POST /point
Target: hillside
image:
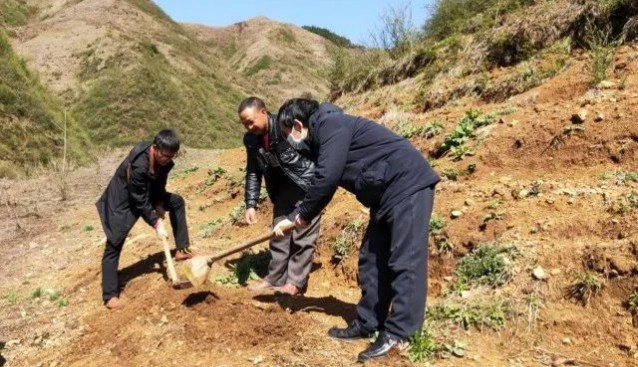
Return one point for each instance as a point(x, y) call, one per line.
point(32, 118)
point(126, 70)
point(279, 61)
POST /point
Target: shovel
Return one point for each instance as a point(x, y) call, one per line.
point(196, 269)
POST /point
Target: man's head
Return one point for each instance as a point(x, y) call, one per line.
point(293, 119)
point(165, 146)
point(253, 114)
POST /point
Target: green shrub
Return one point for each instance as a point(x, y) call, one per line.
point(600, 41)
point(632, 301)
point(492, 314)
point(621, 177)
point(236, 214)
point(344, 243)
point(454, 143)
point(586, 286)
point(486, 265)
point(330, 36)
point(422, 346)
point(250, 266)
point(209, 228)
point(624, 204)
point(14, 13)
point(263, 63)
point(450, 17)
point(437, 224)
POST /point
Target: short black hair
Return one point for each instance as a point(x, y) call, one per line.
point(251, 102)
point(296, 109)
point(167, 139)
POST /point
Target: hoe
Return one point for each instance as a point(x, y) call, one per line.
point(196, 269)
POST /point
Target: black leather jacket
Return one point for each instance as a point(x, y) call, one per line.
point(279, 162)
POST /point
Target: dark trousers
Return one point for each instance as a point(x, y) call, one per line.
point(393, 267)
point(175, 205)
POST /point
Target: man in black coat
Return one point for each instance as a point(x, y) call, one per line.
point(388, 175)
point(138, 189)
point(287, 174)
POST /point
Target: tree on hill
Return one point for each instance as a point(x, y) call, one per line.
point(329, 35)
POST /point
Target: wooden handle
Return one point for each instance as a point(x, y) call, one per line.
point(169, 262)
point(248, 244)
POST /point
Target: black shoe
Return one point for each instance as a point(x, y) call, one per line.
point(380, 347)
point(353, 331)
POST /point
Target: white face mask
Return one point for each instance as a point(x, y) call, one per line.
point(300, 145)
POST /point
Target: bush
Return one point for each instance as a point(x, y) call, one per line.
point(263, 63)
point(329, 35)
point(397, 35)
point(343, 244)
point(455, 142)
point(250, 266)
point(449, 17)
point(487, 265)
point(422, 346)
point(14, 13)
point(492, 314)
point(586, 286)
point(354, 70)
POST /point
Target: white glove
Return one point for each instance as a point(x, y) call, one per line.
point(282, 228)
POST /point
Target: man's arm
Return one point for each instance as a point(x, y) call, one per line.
point(334, 139)
point(252, 187)
point(139, 194)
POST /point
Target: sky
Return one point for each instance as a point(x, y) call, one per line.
point(354, 19)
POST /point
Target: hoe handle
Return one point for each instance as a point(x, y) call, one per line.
point(169, 262)
point(246, 245)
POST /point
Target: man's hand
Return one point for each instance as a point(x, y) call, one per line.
point(160, 230)
point(251, 216)
point(300, 223)
point(161, 212)
point(282, 228)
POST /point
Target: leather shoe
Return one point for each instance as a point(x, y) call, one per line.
point(380, 347)
point(352, 331)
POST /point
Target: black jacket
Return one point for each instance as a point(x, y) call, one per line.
point(363, 157)
point(280, 165)
point(133, 191)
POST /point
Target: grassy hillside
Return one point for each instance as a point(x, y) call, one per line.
point(126, 70)
point(454, 53)
point(31, 118)
point(127, 102)
point(278, 61)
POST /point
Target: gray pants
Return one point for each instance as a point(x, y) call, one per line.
point(292, 255)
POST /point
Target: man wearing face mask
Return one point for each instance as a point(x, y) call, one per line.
point(388, 175)
point(287, 173)
point(138, 189)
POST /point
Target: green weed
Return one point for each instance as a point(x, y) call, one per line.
point(486, 265)
point(209, 228)
point(586, 286)
point(422, 347)
point(492, 314)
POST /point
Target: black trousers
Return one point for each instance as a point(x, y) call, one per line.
point(176, 207)
point(393, 267)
